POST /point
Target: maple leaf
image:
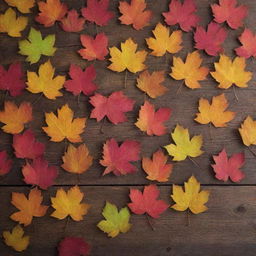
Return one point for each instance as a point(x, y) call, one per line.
point(184, 146)
point(127, 58)
point(151, 84)
point(151, 121)
point(117, 158)
point(229, 12)
point(39, 173)
point(182, 14)
point(248, 41)
point(81, 81)
point(214, 113)
point(73, 246)
point(225, 167)
point(189, 70)
point(44, 81)
point(29, 208)
point(147, 202)
point(210, 40)
point(97, 12)
point(191, 198)
point(23, 6)
point(16, 239)
point(228, 73)
point(248, 131)
point(11, 24)
point(64, 126)
point(15, 117)
point(135, 14)
point(12, 79)
point(163, 41)
point(50, 12)
point(5, 163)
point(77, 160)
point(94, 49)
point(116, 221)
point(157, 169)
point(26, 145)
point(69, 204)
point(72, 23)
point(35, 46)
point(112, 107)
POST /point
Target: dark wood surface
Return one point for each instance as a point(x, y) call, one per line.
point(228, 228)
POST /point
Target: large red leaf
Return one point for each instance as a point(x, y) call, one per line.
point(5, 163)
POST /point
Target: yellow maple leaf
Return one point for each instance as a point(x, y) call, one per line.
point(248, 131)
point(44, 81)
point(184, 146)
point(214, 113)
point(15, 117)
point(23, 6)
point(151, 84)
point(16, 239)
point(11, 24)
point(127, 58)
point(77, 160)
point(29, 208)
point(163, 41)
point(228, 72)
point(64, 126)
point(69, 204)
point(189, 70)
point(191, 198)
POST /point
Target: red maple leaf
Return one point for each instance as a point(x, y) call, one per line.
point(72, 23)
point(12, 79)
point(228, 11)
point(117, 158)
point(73, 246)
point(39, 173)
point(82, 81)
point(248, 41)
point(147, 202)
point(97, 12)
point(26, 145)
point(182, 14)
point(228, 168)
point(112, 107)
point(210, 40)
point(94, 48)
point(5, 163)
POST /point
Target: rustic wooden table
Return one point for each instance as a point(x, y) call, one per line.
point(228, 228)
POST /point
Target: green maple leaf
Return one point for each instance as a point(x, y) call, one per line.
point(35, 46)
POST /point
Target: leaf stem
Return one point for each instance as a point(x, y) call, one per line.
point(150, 223)
point(195, 163)
point(125, 78)
point(234, 90)
point(254, 154)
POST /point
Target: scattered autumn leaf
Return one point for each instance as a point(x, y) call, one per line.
point(248, 131)
point(72, 23)
point(115, 221)
point(23, 6)
point(15, 117)
point(5, 163)
point(228, 73)
point(69, 204)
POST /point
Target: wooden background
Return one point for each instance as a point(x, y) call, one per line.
point(228, 228)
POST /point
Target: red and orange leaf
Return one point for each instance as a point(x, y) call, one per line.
point(26, 145)
point(97, 12)
point(151, 121)
point(72, 23)
point(135, 14)
point(157, 169)
point(227, 10)
point(81, 81)
point(147, 201)
point(5, 163)
point(225, 167)
point(15, 117)
point(94, 48)
point(117, 158)
point(182, 14)
point(211, 40)
point(50, 12)
point(113, 107)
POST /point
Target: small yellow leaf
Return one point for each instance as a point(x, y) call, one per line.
point(23, 6)
point(248, 131)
